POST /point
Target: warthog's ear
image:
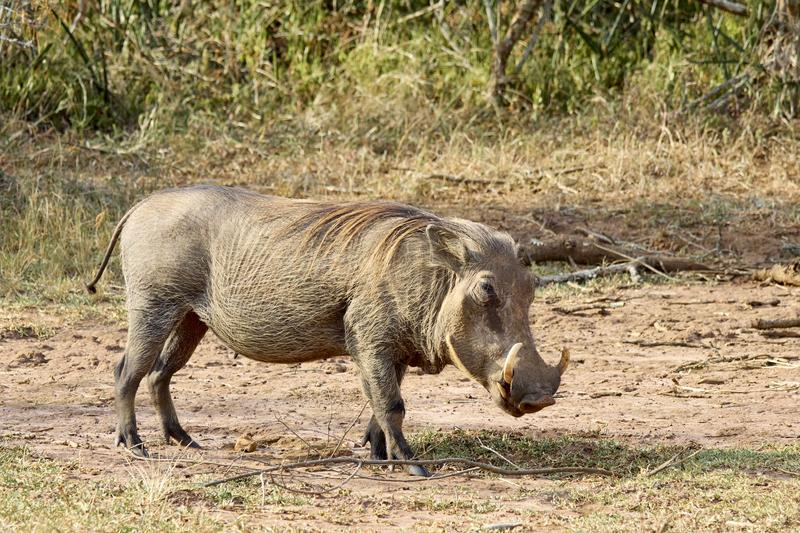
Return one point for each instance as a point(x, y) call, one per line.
point(447, 248)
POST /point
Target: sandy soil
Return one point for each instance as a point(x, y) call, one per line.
point(636, 377)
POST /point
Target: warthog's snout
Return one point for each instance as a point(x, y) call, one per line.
point(522, 383)
point(532, 403)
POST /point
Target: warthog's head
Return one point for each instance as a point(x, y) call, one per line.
point(483, 320)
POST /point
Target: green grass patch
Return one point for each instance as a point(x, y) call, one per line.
point(42, 495)
point(716, 489)
point(624, 460)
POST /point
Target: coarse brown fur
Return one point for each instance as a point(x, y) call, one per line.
point(287, 281)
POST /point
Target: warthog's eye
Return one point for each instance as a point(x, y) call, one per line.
point(486, 293)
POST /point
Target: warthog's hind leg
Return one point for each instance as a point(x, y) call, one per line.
point(148, 329)
point(177, 351)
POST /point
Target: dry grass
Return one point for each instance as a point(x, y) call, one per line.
point(62, 193)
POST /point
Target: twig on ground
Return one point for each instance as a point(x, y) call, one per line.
point(602, 237)
point(604, 394)
point(700, 302)
point(652, 344)
point(317, 492)
point(419, 462)
point(503, 526)
point(353, 423)
point(779, 334)
point(582, 275)
point(311, 449)
point(151, 459)
point(642, 261)
point(757, 303)
point(784, 387)
point(462, 179)
point(694, 365)
point(498, 454)
point(420, 479)
point(588, 307)
point(673, 461)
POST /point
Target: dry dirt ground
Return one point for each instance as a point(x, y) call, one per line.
point(655, 364)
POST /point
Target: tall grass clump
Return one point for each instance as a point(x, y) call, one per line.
point(53, 228)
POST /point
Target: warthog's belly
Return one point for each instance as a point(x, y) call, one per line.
point(278, 332)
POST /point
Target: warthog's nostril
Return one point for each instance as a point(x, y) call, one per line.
point(532, 404)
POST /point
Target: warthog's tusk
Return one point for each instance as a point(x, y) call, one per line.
point(564, 362)
point(508, 368)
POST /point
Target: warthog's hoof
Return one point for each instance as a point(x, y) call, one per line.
point(133, 444)
point(376, 439)
point(177, 434)
point(137, 449)
point(417, 470)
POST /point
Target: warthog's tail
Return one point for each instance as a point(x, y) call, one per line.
point(114, 238)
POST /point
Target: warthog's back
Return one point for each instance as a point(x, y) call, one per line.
point(238, 261)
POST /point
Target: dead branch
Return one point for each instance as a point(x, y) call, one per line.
point(726, 5)
point(780, 334)
point(435, 477)
point(419, 462)
point(503, 48)
point(310, 448)
point(763, 323)
point(353, 423)
point(505, 526)
point(588, 307)
point(498, 454)
point(656, 264)
point(592, 253)
point(700, 302)
point(695, 365)
point(546, 13)
point(316, 492)
point(582, 275)
point(673, 461)
point(757, 303)
point(653, 344)
point(780, 387)
point(604, 394)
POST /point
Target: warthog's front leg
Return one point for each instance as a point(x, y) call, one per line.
point(374, 433)
point(381, 382)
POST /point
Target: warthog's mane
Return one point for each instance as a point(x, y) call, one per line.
point(382, 228)
point(378, 229)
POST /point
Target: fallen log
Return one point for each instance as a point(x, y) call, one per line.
point(585, 275)
point(582, 252)
point(763, 323)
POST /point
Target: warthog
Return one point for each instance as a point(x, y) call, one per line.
point(288, 281)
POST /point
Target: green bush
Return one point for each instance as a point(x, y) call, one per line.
point(107, 65)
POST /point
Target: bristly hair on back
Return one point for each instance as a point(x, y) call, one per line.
point(328, 227)
point(338, 226)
